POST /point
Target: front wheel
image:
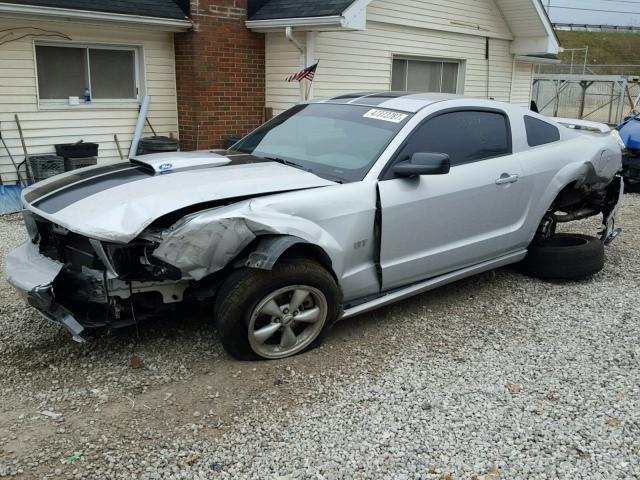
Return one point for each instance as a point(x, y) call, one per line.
point(278, 313)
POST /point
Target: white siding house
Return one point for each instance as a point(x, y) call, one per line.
point(483, 48)
point(99, 41)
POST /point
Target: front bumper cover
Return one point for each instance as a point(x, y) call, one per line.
point(33, 274)
point(41, 298)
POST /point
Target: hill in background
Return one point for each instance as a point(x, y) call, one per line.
point(605, 48)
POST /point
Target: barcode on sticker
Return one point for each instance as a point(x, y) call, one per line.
point(385, 115)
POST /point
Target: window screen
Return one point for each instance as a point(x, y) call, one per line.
point(62, 72)
point(424, 76)
point(113, 73)
point(465, 136)
point(65, 71)
point(540, 132)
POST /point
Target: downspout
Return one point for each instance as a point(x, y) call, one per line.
point(288, 32)
point(513, 80)
point(488, 57)
point(310, 58)
point(142, 118)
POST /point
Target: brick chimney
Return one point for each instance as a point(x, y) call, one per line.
point(220, 75)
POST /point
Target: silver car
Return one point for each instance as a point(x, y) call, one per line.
point(329, 210)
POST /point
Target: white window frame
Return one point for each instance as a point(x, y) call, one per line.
point(103, 102)
point(460, 62)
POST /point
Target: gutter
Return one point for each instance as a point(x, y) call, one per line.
point(354, 17)
point(169, 24)
point(536, 60)
point(332, 21)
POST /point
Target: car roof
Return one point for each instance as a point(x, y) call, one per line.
point(411, 102)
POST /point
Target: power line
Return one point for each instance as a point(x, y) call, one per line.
point(594, 10)
point(632, 2)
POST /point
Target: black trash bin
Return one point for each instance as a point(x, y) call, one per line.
point(77, 150)
point(157, 145)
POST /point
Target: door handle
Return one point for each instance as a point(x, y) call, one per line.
point(505, 179)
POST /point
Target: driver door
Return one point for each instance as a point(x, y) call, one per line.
point(432, 225)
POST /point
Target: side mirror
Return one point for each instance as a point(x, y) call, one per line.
point(423, 164)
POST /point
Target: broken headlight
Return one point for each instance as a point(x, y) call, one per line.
point(136, 262)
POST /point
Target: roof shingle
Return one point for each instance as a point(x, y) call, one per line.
point(276, 9)
point(145, 8)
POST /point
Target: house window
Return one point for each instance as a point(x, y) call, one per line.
point(425, 75)
point(110, 73)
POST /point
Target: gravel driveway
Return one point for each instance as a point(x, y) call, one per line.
point(495, 377)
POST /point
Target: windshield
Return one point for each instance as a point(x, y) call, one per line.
point(338, 142)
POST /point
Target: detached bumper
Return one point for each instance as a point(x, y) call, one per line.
point(33, 274)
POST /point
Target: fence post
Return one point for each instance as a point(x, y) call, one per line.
point(613, 92)
point(585, 86)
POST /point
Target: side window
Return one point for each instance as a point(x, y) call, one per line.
point(540, 132)
point(466, 136)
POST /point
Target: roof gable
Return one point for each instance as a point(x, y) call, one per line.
point(145, 8)
point(278, 9)
point(531, 26)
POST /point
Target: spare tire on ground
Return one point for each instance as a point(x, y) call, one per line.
point(565, 256)
point(157, 145)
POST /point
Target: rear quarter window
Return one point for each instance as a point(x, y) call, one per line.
point(540, 132)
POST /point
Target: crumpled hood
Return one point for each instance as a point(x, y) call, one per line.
point(117, 202)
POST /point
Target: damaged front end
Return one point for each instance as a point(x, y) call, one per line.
point(84, 283)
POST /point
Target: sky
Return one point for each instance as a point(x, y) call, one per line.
point(598, 12)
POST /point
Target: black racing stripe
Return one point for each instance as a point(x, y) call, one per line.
point(68, 196)
point(367, 98)
point(349, 96)
point(241, 158)
point(40, 192)
point(379, 98)
point(391, 94)
point(125, 173)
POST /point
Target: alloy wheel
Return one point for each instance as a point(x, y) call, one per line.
point(287, 321)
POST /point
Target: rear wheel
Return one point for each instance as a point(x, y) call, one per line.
point(565, 256)
point(278, 313)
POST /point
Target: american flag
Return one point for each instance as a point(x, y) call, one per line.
point(308, 73)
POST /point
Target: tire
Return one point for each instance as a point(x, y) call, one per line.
point(565, 256)
point(243, 299)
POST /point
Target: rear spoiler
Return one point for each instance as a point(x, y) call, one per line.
point(583, 125)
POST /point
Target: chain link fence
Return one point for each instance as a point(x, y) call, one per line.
point(599, 98)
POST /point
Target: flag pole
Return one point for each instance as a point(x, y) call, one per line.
point(308, 92)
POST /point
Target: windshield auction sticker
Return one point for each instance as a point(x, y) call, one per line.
point(385, 115)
